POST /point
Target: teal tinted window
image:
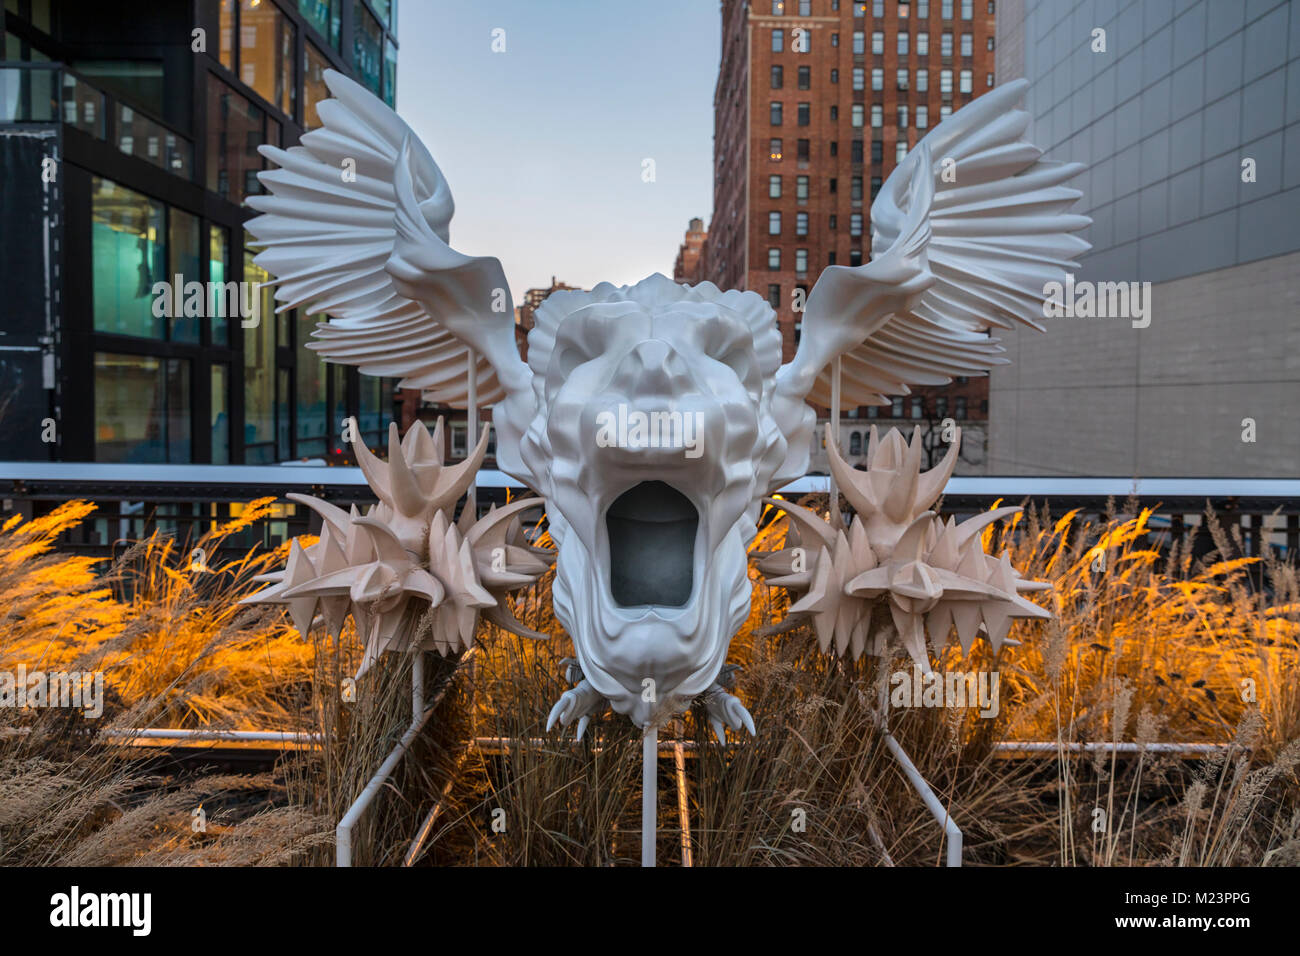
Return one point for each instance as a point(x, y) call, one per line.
point(323, 15)
point(367, 47)
point(184, 251)
point(127, 260)
point(142, 409)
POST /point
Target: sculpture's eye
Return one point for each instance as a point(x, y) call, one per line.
point(651, 546)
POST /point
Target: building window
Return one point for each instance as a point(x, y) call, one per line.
point(323, 16)
point(902, 116)
point(878, 42)
point(833, 222)
point(805, 77)
point(922, 81)
point(922, 117)
point(896, 407)
point(778, 76)
point(774, 295)
point(313, 408)
point(856, 151)
point(801, 187)
point(859, 78)
point(944, 112)
point(877, 79)
point(875, 187)
point(988, 79)
point(835, 112)
point(833, 185)
point(184, 258)
point(835, 76)
point(877, 151)
point(967, 44)
point(877, 8)
point(945, 44)
point(967, 9)
point(918, 407)
point(855, 224)
point(778, 7)
point(923, 44)
point(778, 40)
point(900, 150)
point(941, 407)
point(857, 115)
point(990, 43)
point(803, 150)
point(367, 45)
point(219, 413)
point(266, 47)
point(945, 9)
point(219, 273)
point(830, 258)
point(960, 412)
point(877, 115)
point(923, 9)
point(774, 149)
point(804, 114)
point(774, 186)
point(901, 79)
point(945, 81)
point(142, 409)
point(855, 443)
point(964, 81)
point(235, 130)
point(773, 259)
point(260, 379)
point(859, 42)
point(801, 260)
point(835, 147)
point(774, 223)
point(873, 411)
point(902, 44)
point(798, 332)
point(801, 224)
point(313, 86)
point(855, 188)
point(805, 8)
point(128, 256)
point(774, 114)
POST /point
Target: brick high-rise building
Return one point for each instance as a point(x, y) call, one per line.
point(689, 266)
point(816, 102)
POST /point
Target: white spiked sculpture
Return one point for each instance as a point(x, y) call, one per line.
point(653, 419)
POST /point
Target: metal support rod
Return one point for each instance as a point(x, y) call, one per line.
point(683, 801)
point(835, 436)
point(343, 832)
point(932, 803)
point(649, 793)
point(471, 424)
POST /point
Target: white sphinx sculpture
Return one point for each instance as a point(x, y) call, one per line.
point(653, 419)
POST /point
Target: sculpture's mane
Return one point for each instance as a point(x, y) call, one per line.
point(653, 294)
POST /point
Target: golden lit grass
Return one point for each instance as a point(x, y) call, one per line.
point(1147, 645)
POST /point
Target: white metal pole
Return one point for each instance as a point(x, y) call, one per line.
point(835, 436)
point(471, 425)
point(649, 793)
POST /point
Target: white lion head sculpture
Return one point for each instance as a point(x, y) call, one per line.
point(653, 418)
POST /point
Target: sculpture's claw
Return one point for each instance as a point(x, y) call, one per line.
point(571, 669)
point(577, 702)
point(726, 710)
point(582, 726)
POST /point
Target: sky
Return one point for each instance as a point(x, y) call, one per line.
point(543, 144)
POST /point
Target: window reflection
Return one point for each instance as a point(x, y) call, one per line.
point(323, 15)
point(313, 84)
point(234, 133)
point(126, 259)
point(142, 409)
point(183, 255)
point(220, 413)
point(367, 40)
point(313, 424)
point(266, 42)
point(259, 372)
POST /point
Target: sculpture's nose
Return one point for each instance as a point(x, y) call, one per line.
point(653, 367)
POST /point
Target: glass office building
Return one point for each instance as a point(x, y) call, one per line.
point(128, 155)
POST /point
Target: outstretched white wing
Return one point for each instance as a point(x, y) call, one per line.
point(987, 223)
point(327, 231)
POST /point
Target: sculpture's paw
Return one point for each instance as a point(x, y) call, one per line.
point(577, 703)
point(725, 710)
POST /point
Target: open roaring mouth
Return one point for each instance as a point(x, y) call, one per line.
point(652, 528)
